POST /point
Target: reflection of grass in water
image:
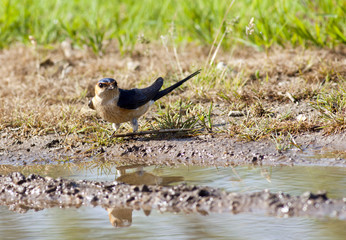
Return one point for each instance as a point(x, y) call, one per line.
point(61, 169)
point(103, 167)
point(264, 171)
point(43, 170)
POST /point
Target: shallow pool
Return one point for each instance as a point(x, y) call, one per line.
point(91, 223)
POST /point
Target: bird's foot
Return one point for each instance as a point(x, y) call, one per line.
point(115, 126)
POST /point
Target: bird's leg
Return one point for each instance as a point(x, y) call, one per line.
point(140, 171)
point(116, 126)
point(134, 124)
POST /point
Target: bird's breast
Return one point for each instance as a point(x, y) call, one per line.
point(110, 112)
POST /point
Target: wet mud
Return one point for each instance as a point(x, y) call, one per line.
point(22, 193)
point(204, 150)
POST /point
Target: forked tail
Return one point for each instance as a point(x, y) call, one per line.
point(174, 86)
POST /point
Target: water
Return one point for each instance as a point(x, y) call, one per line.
point(294, 180)
point(92, 223)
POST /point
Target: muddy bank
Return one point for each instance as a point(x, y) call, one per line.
point(211, 149)
point(22, 193)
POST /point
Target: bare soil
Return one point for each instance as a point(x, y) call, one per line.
point(205, 150)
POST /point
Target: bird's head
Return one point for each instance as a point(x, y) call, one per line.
point(106, 87)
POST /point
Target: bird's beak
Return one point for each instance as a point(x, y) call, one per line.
point(111, 86)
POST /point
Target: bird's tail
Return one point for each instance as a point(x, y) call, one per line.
point(174, 86)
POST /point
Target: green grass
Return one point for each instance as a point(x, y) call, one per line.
point(332, 107)
point(92, 23)
point(185, 116)
point(283, 142)
point(177, 117)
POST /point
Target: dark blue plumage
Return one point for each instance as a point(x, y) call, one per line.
point(134, 98)
point(106, 80)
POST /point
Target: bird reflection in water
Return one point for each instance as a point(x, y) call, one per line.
point(122, 216)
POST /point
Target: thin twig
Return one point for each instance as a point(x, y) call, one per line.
point(291, 97)
point(217, 35)
point(217, 49)
point(177, 59)
point(153, 132)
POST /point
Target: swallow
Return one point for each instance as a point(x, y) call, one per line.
point(117, 105)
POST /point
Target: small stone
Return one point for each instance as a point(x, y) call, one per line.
point(18, 178)
point(236, 113)
point(133, 65)
point(221, 66)
point(285, 209)
point(301, 118)
point(66, 47)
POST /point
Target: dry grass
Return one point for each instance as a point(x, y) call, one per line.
point(43, 91)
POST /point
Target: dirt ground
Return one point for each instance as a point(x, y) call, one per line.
point(205, 150)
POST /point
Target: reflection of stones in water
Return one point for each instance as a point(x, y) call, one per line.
point(142, 177)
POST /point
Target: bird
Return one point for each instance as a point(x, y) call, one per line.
point(117, 105)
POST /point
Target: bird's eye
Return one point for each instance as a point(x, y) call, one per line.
point(101, 85)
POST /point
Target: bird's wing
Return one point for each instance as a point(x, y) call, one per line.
point(134, 98)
